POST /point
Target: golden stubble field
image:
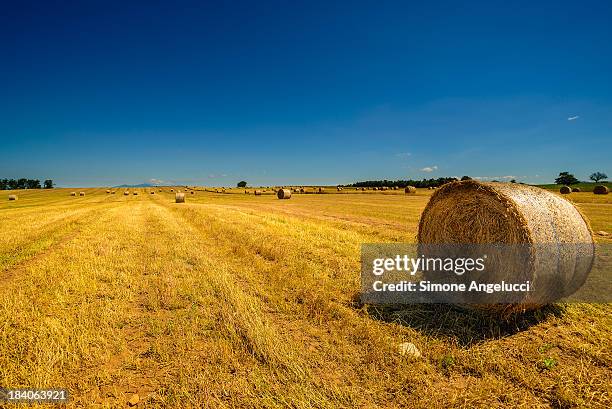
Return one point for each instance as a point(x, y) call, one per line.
point(232, 300)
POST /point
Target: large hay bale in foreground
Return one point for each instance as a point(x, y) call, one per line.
point(12, 197)
point(284, 194)
point(81, 193)
point(410, 190)
point(565, 190)
point(179, 197)
point(552, 233)
point(601, 190)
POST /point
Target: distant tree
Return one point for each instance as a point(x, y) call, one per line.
point(4, 184)
point(597, 176)
point(466, 178)
point(48, 184)
point(22, 183)
point(32, 184)
point(513, 181)
point(242, 184)
point(566, 178)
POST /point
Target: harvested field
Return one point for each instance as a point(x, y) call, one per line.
point(236, 300)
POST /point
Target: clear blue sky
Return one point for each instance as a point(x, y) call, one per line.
point(276, 92)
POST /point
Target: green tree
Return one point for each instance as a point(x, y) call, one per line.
point(48, 184)
point(566, 178)
point(466, 178)
point(242, 184)
point(597, 176)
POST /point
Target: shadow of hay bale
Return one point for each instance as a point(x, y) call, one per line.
point(466, 327)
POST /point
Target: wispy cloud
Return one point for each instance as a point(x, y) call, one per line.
point(154, 181)
point(429, 169)
point(507, 177)
point(215, 176)
point(403, 155)
point(573, 118)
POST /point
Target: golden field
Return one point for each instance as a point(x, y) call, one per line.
point(233, 300)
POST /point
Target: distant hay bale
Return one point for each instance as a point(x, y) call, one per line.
point(81, 193)
point(12, 197)
point(374, 188)
point(135, 193)
point(339, 188)
point(395, 188)
point(558, 240)
point(284, 194)
point(126, 193)
point(565, 190)
point(410, 190)
point(113, 192)
point(172, 190)
point(159, 190)
point(152, 192)
point(601, 190)
point(321, 190)
point(257, 192)
point(72, 193)
point(192, 192)
point(108, 191)
point(179, 197)
point(576, 189)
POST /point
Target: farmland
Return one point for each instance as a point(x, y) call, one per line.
point(232, 299)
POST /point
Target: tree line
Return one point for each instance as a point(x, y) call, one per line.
point(425, 183)
point(566, 178)
point(23, 183)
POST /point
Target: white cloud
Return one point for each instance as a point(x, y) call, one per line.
point(573, 118)
point(403, 155)
point(508, 177)
point(429, 169)
point(154, 181)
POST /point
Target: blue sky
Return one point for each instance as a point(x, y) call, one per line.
point(278, 92)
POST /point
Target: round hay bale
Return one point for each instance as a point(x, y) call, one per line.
point(410, 190)
point(179, 197)
point(81, 193)
point(72, 193)
point(321, 190)
point(12, 197)
point(257, 192)
point(339, 188)
point(552, 233)
point(576, 189)
point(172, 190)
point(108, 191)
point(565, 190)
point(601, 190)
point(375, 188)
point(192, 192)
point(284, 194)
point(135, 193)
point(113, 192)
point(126, 193)
point(152, 192)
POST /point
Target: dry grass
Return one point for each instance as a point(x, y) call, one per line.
point(231, 300)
